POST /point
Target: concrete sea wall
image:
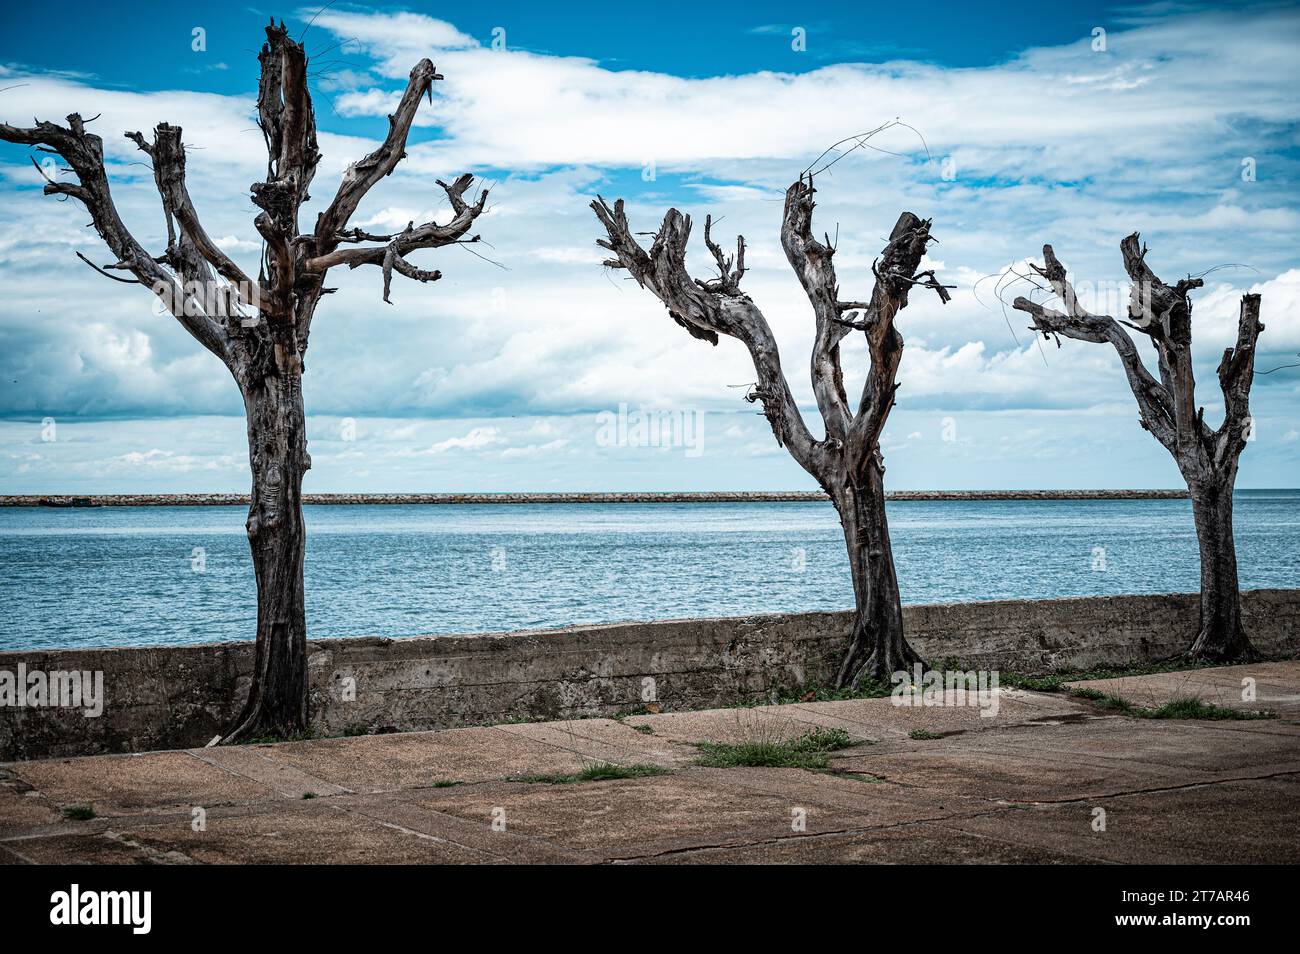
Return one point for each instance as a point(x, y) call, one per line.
point(177, 697)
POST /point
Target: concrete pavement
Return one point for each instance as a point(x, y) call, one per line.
point(1050, 778)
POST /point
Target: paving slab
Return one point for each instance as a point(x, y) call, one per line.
point(499, 844)
point(131, 784)
point(1246, 822)
point(882, 719)
point(1006, 775)
point(736, 725)
point(303, 832)
point(1018, 787)
point(1276, 687)
point(604, 740)
point(379, 763)
point(1158, 746)
point(922, 843)
point(631, 818)
point(80, 848)
point(256, 764)
point(22, 808)
point(876, 801)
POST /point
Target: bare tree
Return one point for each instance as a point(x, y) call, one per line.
point(847, 462)
point(260, 329)
point(1206, 457)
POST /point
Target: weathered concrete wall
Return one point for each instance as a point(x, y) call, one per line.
point(182, 696)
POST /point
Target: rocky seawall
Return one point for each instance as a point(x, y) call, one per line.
point(792, 496)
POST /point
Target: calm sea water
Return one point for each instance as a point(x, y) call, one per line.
point(131, 575)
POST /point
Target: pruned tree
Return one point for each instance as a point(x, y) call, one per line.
point(1207, 457)
point(259, 329)
point(847, 462)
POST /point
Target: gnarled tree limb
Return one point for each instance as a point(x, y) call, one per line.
point(206, 291)
point(84, 153)
point(848, 462)
point(710, 309)
point(362, 175)
point(1206, 458)
point(391, 254)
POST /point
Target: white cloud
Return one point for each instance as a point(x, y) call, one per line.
point(1059, 145)
point(476, 439)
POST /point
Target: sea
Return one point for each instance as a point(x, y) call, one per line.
point(154, 576)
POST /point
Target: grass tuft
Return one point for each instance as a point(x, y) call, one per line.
point(1181, 707)
point(1189, 707)
point(79, 813)
point(808, 751)
point(601, 772)
point(924, 735)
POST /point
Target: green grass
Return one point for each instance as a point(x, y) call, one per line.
point(308, 794)
point(1055, 682)
point(1189, 707)
point(808, 751)
point(787, 696)
point(1181, 707)
point(856, 776)
point(601, 772)
point(1103, 701)
point(79, 813)
point(1014, 680)
point(923, 735)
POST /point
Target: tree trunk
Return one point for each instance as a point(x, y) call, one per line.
point(1221, 637)
point(877, 648)
point(277, 453)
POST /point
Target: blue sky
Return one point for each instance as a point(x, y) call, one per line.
point(1027, 131)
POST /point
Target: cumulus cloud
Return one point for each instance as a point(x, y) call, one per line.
point(1062, 145)
point(478, 437)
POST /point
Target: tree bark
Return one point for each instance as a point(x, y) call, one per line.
point(277, 454)
point(877, 646)
point(259, 329)
point(1220, 637)
point(847, 462)
point(1167, 408)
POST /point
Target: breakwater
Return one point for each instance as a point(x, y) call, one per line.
point(782, 496)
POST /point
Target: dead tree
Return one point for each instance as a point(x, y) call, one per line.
point(847, 461)
point(259, 329)
point(1207, 457)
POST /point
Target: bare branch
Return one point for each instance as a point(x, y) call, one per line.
point(391, 255)
point(362, 175)
point(1156, 404)
point(1165, 313)
point(167, 152)
point(116, 278)
point(812, 263)
point(84, 152)
point(1236, 373)
point(896, 273)
point(710, 309)
point(728, 281)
